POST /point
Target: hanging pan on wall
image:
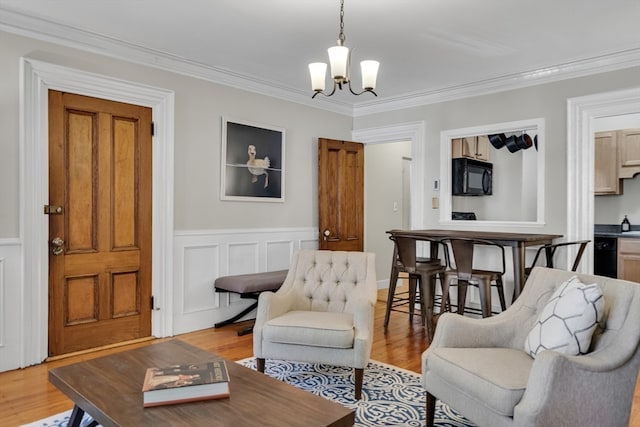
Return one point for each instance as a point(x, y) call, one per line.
point(512, 144)
point(497, 140)
point(524, 141)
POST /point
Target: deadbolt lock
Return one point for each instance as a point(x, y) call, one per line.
point(52, 210)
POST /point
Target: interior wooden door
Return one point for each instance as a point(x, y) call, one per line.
point(99, 222)
point(341, 195)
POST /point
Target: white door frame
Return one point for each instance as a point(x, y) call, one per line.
point(413, 132)
point(37, 78)
point(581, 113)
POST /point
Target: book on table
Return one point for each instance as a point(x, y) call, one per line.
point(185, 383)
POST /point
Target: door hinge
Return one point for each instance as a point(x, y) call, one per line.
point(153, 129)
point(153, 303)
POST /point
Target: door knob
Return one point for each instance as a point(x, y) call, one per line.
point(326, 234)
point(57, 244)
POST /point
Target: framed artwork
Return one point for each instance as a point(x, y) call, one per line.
point(252, 162)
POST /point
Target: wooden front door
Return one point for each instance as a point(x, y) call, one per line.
point(341, 195)
point(100, 187)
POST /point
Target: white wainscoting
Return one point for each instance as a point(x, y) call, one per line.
point(201, 256)
point(11, 296)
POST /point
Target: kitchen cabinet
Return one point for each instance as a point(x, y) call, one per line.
point(473, 147)
point(629, 259)
point(628, 141)
point(606, 164)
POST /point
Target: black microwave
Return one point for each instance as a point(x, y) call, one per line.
point(471, 177)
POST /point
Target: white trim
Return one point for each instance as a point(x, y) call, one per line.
point(52, 32)
point(445, 171)
point(37, 78)
point(41, 29)
point(414, 132)
point(204, 255)
point(601, 64)
point(11, 332)
point(581, 113)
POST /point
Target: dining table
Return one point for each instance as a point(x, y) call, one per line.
point(515, 240)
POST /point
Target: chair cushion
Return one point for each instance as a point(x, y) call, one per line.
point(251, 283)
point(566, 323)
point(312, 328)
point(497, 377)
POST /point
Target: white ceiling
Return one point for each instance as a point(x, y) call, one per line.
point(425, 47)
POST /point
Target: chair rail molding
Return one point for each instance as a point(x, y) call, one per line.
point(11, 298)
point(204, 255)
point(36, 78)
point(581, 113)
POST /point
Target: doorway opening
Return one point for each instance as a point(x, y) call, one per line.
point(582, 112)
point(412, 134)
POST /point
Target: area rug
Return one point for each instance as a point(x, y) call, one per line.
point(390, 396)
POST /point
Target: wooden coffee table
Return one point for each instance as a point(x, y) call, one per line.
point(109, 389)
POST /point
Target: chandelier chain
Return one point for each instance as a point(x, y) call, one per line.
point(341, 37)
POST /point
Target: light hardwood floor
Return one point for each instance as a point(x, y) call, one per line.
point(26, 394)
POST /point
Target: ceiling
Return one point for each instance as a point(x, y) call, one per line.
point(426, 47)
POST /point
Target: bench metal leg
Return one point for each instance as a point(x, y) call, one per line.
point(237, 316)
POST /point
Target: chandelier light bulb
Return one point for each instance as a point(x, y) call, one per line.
point(318, 71)
point(338, 57)
point(369, 70)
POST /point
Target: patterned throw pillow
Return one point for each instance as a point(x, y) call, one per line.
point(567, 322)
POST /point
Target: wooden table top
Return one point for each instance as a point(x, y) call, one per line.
point(498, 236)
point(110, 390)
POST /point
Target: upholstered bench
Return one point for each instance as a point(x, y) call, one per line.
point(248, 286)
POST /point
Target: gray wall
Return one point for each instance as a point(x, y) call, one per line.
point(199, 107)
point(201, 104)
point(548, 101)
point(383, 188)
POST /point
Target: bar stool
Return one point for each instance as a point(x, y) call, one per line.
point(550, 250)
point(465, 275)
point(420, 271)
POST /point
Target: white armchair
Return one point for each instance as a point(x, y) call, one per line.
point(479, 366)
point(322, 313)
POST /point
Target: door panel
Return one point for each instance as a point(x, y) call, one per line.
point(341, 194)
point(100, 174)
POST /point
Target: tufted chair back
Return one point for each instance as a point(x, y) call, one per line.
point(329, 280)
point(322, 313)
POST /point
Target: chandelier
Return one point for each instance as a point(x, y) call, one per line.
point(340, 60)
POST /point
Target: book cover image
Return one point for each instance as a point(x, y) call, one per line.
point(184, 375)
point(183, 383)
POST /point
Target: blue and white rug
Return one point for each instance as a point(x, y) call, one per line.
point(390, 396)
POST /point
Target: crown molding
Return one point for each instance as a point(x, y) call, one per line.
point(52, 32)
point(49, 31)
point(604, 63)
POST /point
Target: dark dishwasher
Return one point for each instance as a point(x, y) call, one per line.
point(605, 256)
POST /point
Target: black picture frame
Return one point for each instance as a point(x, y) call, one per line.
point(257, 179)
